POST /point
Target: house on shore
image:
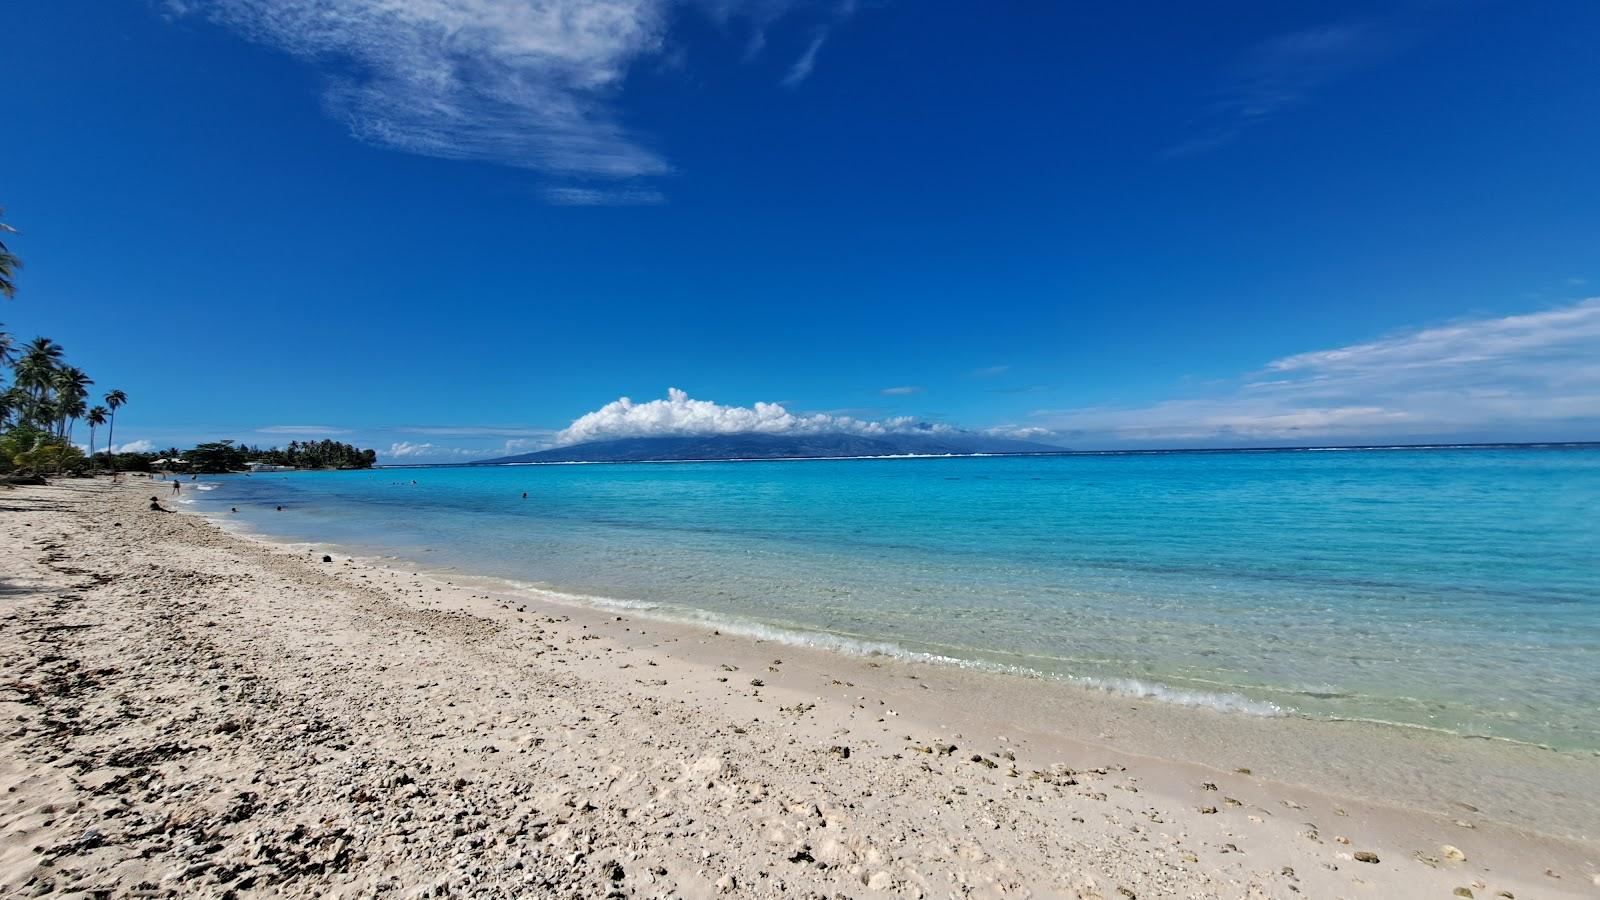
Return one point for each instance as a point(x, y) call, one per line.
point(268, 467)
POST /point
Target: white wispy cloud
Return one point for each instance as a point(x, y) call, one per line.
point(1543, 343)
point(520, 83)
point(836, 14)
point(990, 371)
point(1284, 72)
point(801, 70)
point(679, 414)
point(1532, 377)
point(526, 83)
point(576, 196)
point(511, 431)
point(901, 390)
point(313, 430)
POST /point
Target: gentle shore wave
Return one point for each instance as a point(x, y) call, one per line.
point(1221, 701)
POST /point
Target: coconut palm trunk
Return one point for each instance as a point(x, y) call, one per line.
point(114, 399)
point(96, 417)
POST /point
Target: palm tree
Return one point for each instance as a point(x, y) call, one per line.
point(114, 399)
point(35, 373)
point(44, 347)
point(72, 389)
point(8, 398)
point(12, 400)
point(72, 409)
point(95, 418)
point(33, 379)
point(9, 264)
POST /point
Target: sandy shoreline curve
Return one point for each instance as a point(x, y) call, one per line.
point(191, 712)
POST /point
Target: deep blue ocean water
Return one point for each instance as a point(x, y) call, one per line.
point(1453, 589)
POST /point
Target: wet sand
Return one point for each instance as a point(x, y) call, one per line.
point(194, 712)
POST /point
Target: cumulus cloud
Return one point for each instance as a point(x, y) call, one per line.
point(680, 415)
point(1020, 432)
point(525, 83)
point(1532, 377)
point(427, 451)
point(140, 446)
point(409, 450)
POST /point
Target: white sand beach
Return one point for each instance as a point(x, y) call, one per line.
point(189, 712)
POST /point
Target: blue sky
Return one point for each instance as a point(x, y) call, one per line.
point(454, 227)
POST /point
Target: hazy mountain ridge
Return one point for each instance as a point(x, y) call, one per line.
point(776, 446)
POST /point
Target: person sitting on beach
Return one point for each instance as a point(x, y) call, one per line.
point(155, 505)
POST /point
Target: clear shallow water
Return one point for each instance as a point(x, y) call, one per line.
point(1451, 589)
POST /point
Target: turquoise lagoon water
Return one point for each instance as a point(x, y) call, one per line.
point(1453, 589)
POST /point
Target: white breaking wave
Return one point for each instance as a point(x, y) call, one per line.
point(1225, 702)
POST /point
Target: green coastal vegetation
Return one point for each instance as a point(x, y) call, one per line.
point(45, 402)
point(226, 456)
point(42, 405)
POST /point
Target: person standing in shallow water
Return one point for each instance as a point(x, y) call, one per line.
point(176, 486)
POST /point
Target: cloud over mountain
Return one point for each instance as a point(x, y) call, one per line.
point(680, 415)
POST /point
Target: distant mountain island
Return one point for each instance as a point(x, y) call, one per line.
point(777, 446)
